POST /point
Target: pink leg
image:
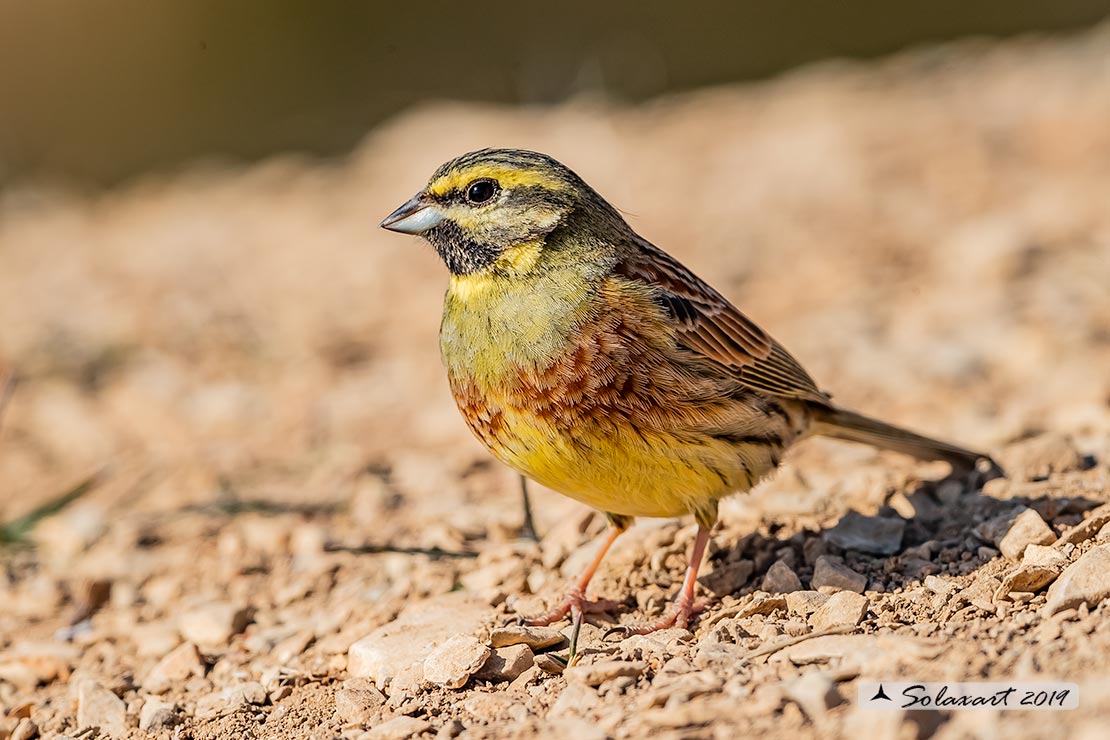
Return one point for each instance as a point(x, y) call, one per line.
point(683, 607)
point(575, 599)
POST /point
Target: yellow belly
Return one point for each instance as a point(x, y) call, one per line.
point(618, 469)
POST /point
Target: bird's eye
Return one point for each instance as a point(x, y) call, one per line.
point(481, 191)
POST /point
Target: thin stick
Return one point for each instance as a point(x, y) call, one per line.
point(528, 529)
point(769, 649)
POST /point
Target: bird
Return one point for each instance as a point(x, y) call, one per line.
point(596, 364)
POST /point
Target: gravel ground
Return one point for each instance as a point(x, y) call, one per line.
point(282, 529)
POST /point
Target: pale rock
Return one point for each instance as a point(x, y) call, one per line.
point(99, 707)
point(871, 534)
point(1086, 581)
point(804, 603)
point(28, 663)
point(547, 663)
point(781, 579)
point(156, 714)
point(830, 574)
point(25, 730)
point(576, 699)
point(1039, 567)
point(398, 728)
point(981, 592)
point(179, 664)
point(358, 701)
point(1040, 456)
point(506, 663)
point(939, 586)
point(762, 604)
point(455, 661)
point(843, 609)
point(871, 653)
point(536, 638)
point(293, 646)
point(1088, 528)
point(213, 624)
point(410, 638)
point(815, 693)
point(154, 640)
point(229, 699)
point(1028, 528)
point(597, 673)
point(1043, 557)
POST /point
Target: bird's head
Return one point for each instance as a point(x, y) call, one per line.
point(486, 206)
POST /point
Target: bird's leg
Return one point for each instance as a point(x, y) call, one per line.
point(574, 601)
point(528, 529)
point(682, 608)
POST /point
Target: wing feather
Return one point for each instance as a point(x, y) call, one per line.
point(711, 326)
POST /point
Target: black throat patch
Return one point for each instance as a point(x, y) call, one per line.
point(462, 255)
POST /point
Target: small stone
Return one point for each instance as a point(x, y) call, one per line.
point(815, 693)
point(293, 646)
point(25, 730)
point(1026, 579)
point(213, 624)
point(548, 663)
point(506, 663)
point(228, 700)
point(154, 640)
point(843, 609)
point(728, 578)
point(762, 605)
point(830, 574)
point(1027, 529)
point(179, 664)
point(99, 707)
point(417, 631)
point(452, 663)
point(1044, 557)
point(1086, 581)
point(398, 728)
point(537, 638)
point(804, 603)
point(576, 699)
point(939, 586)
point(598, 673)
point(780, 579)
point(358, 702)
point(981, 592)
point(871, 534)
point(1088, 528)
point(156, 714)
point(1040, 456)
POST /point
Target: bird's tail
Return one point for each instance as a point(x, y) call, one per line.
point(845, 424)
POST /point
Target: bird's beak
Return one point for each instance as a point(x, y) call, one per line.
point(414, 217)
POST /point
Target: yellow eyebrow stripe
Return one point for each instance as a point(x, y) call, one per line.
point(507, 177)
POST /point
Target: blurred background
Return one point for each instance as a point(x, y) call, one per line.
point(220, 381)
point(97, 93)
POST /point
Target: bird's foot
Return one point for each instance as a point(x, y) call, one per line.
point(574, 603)
point(677, 616)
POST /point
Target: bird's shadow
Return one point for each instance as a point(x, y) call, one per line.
point(941, 535)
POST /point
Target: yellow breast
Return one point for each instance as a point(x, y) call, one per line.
point(562, 391)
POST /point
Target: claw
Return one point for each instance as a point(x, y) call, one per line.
point(620, 629)
point(575, 602)
point(677, 615)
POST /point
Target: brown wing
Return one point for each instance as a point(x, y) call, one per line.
point(710, 325)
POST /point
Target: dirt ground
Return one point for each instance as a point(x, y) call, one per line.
point(236, 374)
